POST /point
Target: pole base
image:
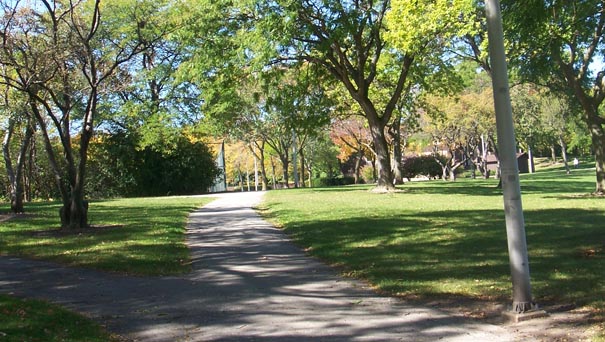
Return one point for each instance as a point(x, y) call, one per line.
point(516, 317)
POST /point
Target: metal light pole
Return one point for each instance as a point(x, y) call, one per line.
point(515, 225)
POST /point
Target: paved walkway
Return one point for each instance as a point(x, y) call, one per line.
point(249, 283)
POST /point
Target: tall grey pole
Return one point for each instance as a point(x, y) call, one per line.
point(515, 225)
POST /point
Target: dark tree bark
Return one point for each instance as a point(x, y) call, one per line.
point(15, 174)
point(258, 150)
point(564, 154)
point(395, 133)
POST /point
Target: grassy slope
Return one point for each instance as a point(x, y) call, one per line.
point(440, 239)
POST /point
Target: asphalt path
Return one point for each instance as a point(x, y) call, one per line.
point(249, 283)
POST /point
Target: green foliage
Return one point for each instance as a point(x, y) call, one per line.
point(427, 30)
point(560, 44)
point(136, 236)
point(326, 181)
point(37, 321)
point(421, 166)
point(368, 174)
point(110, 163)
point(526, 108)
point(188, 169)
point(322, 155)
point(414, 24)
point(580, 140)
point(119, 167)
point(542, 32)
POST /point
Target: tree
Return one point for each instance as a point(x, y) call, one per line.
point(16, 123)
point(556, 112)
point(149, 98)
point(399, 132)
point(450, 133)
point(562, 43)
point(308, 107)
point(321, 155)
point(61, 55)
point(354, 140)
point(526, 116)
point(347, 40)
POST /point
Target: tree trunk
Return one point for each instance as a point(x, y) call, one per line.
point(530, 155)
point(29, 174)
point(21, 160)
point(397, 151)
point(9, 166)
point(564, 154)
point(374, 168)
point(598, 144)
point(383, 158)
point(492, 142)
point(444, 168)
point(247, 177)
point(310, 172)
point(484, 158)
point(285, 165)
point(592, 118)
point(260, 157)
point(50, 152)
point(358, 166)
point(15, 175)
point(273, 172)
point(263, 170)
point(255, 173)
point(79, 207)
point(454, 167)
point(553, 153)
point(302, 168)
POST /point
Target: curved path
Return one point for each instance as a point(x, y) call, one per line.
point(249, 283)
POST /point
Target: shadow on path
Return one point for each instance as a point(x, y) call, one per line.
point(248, 283)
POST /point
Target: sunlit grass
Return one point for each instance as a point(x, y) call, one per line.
point(38, 321)
point(137, 235)
point(442, 239)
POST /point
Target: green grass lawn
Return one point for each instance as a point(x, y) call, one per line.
point(38, 321)
point(448, 239)
point(143, 236)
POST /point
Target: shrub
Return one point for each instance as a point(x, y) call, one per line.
point(421, 166)
point(367, 174)
point(335, 181)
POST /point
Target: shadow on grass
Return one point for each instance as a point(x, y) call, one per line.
point(463, 252)
point(147, 239)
